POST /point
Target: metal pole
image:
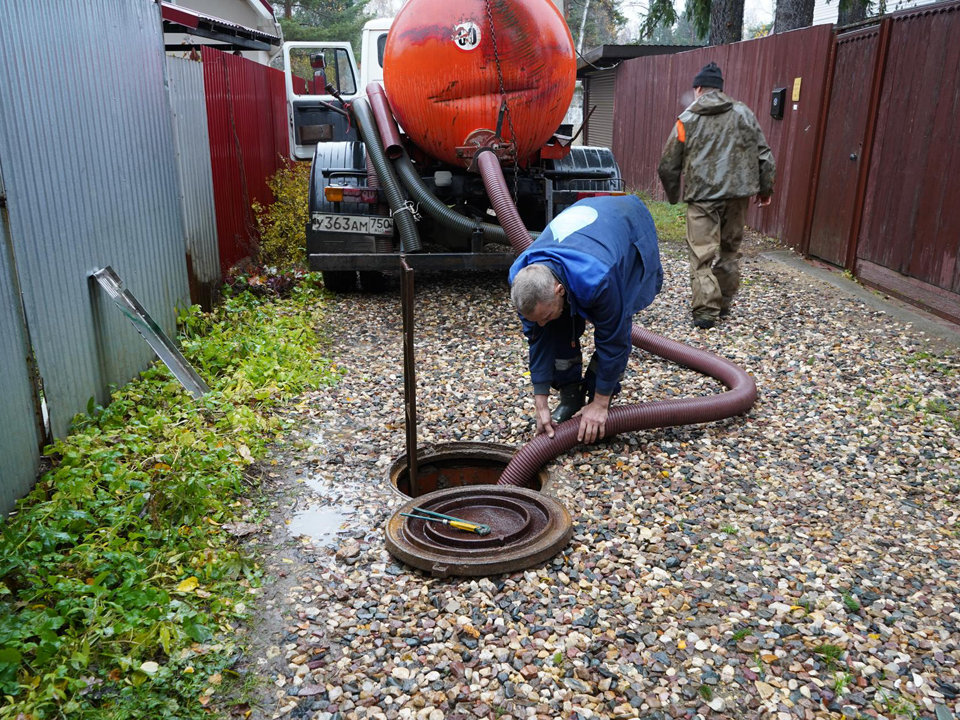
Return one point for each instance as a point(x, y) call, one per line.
point(409, 373)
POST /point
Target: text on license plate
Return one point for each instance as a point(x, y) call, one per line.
point(360, 224)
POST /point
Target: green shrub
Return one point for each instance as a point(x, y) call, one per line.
point(120, 588)
point(282, 225)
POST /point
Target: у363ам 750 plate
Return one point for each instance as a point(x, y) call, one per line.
point(357, 224)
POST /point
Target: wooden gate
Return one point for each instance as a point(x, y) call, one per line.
point(845, 151)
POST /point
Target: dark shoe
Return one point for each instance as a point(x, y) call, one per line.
point(704, 322)
point(724, 311)
point(571, 400)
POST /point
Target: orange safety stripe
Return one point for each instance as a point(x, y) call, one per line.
point(681, 132)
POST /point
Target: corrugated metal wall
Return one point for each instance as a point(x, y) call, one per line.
point(652, 91)
point(19, 435)
point(247, 119)
point(91, 180)
point(599, 130)
point(188, 107)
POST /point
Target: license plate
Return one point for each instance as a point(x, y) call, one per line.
point(357, 224)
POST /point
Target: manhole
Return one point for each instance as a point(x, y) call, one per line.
point(456, 464)
point(526, 528)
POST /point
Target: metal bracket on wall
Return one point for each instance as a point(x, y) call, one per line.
point(151, 332)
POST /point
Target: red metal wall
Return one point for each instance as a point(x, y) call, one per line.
point(247, 120)
point(911, 215)
point(652, 91)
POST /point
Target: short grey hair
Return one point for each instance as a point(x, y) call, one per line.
point(533, 285)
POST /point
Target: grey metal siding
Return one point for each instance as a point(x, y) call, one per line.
point(188, 106)
point(19, 436)
point(91, 180)
point(601, 95)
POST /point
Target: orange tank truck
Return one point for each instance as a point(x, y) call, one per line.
point(440, 72)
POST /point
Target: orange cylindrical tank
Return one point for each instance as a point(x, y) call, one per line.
point(440, 71)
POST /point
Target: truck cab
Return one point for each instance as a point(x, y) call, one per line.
point(315, 73)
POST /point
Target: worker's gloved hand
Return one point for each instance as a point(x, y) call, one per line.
point(542, 411)
point(593, 419)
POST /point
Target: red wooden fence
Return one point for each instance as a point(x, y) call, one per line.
point(247, 120)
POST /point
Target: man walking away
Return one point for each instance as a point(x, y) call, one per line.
point(719, 149)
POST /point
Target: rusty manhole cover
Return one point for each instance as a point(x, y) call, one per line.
point(526, 528)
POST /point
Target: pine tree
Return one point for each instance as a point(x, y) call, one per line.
point(323, 20)
point(603, 22)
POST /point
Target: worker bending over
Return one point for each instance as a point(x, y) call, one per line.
point(598, 261)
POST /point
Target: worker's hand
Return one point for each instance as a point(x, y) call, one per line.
point(763, 201)
point(593, 419)
point(544, 421)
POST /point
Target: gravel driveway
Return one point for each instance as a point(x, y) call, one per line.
point(801, 561)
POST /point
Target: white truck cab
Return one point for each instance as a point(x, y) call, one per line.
point(312, 70)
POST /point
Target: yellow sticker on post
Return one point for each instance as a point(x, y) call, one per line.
point(796, 89)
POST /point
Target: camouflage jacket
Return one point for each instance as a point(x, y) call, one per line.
point(719, 147)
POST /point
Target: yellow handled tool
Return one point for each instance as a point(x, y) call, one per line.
point(456, 524)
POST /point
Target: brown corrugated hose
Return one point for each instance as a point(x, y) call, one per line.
point(626, 418)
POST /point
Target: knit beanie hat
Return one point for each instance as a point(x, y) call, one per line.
point(709, 77)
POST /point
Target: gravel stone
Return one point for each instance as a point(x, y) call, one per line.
point(758, 556)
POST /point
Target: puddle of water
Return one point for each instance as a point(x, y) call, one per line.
point(318, 485)
point(320, 524)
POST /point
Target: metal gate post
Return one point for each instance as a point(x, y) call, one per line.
point(409, 374)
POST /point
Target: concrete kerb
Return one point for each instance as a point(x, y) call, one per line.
point(926, 323)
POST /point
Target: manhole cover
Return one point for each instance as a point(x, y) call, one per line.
point(526, 528)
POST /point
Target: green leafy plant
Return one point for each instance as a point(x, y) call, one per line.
point(830, 654)
point(840, 681)
point(741, 634)
point(729, 529)
point(895, 705)
point(120, 588)
point(282, 224)
point(705, 692)
point(851, 603)
point(670, 220)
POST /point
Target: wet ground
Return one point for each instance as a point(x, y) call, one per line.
point(801, 561)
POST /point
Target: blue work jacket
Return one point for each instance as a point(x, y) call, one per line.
point(604, 252)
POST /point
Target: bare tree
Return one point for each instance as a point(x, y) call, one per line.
point(726, 21)
point(792, 15)
point(720, 20)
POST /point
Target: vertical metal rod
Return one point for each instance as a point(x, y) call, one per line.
point(409, 374)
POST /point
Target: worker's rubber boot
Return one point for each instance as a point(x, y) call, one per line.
point(571, 400)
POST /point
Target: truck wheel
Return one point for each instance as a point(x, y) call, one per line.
point(372, 281)
point(339, 281)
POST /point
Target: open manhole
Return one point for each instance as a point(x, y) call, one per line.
point(459, 480)
point(457, 464)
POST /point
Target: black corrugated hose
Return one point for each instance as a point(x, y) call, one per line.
point(402, 212)
point(415, 185)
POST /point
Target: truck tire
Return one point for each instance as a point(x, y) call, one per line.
point(372, 281)
point(339, 281)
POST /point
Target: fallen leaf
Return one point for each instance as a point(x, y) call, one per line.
point(188, 585)
point(242, 529)
point(149, 667)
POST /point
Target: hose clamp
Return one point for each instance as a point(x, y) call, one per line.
point(408, 205)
